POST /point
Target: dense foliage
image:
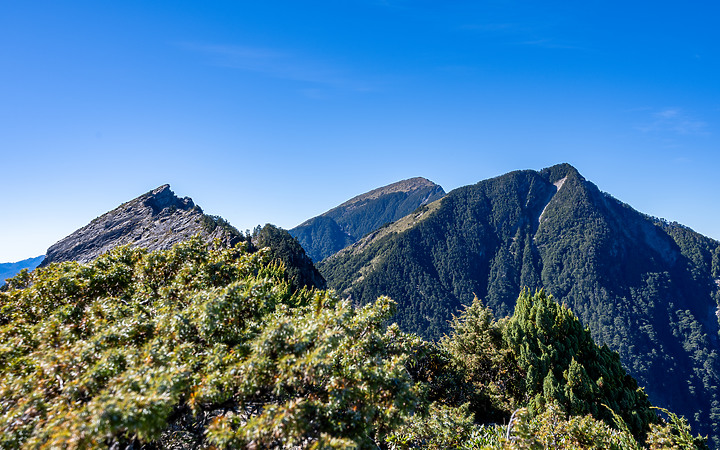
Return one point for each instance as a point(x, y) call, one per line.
point(196, 347)
point(215, 343)
point(646, 288)
point(210, 223)
point(543, 356)
point(286, 249)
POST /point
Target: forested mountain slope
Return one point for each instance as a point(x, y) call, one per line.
point(646, 288)
point(343, 225)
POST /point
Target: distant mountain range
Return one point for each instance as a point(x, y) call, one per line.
point(647, 288)
point(8, 270)
point(343, 225)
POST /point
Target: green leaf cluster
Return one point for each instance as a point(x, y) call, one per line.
point(552, 428)
point(542, 356)
point(561, 363)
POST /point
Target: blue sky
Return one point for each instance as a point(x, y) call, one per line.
point(276, 111)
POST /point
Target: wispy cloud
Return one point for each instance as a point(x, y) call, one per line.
point(549, 43)
point(391, 3)
point(278, 64)
point(519, 34)
point(674, 120)
point(491, 27)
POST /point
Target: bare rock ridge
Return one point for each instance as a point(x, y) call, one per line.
point(405, 187)
point(346, 223)
point(156, 220)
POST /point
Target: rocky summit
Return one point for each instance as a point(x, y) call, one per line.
point(156, 221)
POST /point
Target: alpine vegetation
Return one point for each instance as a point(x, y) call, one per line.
point(198, 347)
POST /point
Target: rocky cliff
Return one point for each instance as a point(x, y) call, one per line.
point(156, 220)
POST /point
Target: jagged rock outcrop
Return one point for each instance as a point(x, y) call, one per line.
point(345, 224)
point(156, 221)
point(159, 219)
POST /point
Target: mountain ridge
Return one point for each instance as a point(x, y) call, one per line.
point(155, 220)
point(645, 288)
point(323, 235)
point(158, 220)
point(9, 270)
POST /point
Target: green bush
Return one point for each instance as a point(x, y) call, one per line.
point(197, 346)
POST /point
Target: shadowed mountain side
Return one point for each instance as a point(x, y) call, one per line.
point(283, 246)
point(343, 225)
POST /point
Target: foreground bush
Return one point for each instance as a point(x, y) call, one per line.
point(192, 347)
point(196, 347)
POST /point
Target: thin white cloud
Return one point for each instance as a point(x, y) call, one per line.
point(491, 27)
point(674, 120)
point(549, 43)
point(277, 64)
point(668, 113)
point(523, 35)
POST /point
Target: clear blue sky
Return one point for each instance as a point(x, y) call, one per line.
point(275, 111)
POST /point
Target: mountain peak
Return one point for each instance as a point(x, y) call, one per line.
point(343, 225)
point(403, 186)
point(559, 171)
point(163, 197)
point(640, 285)
point(155, 220)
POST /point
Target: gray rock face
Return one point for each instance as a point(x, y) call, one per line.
point(156, 221)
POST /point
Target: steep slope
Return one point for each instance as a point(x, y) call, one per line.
point(646, 288)
point(8, 270)
point(156, 221)
point(343, 225)
point(298, 266)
